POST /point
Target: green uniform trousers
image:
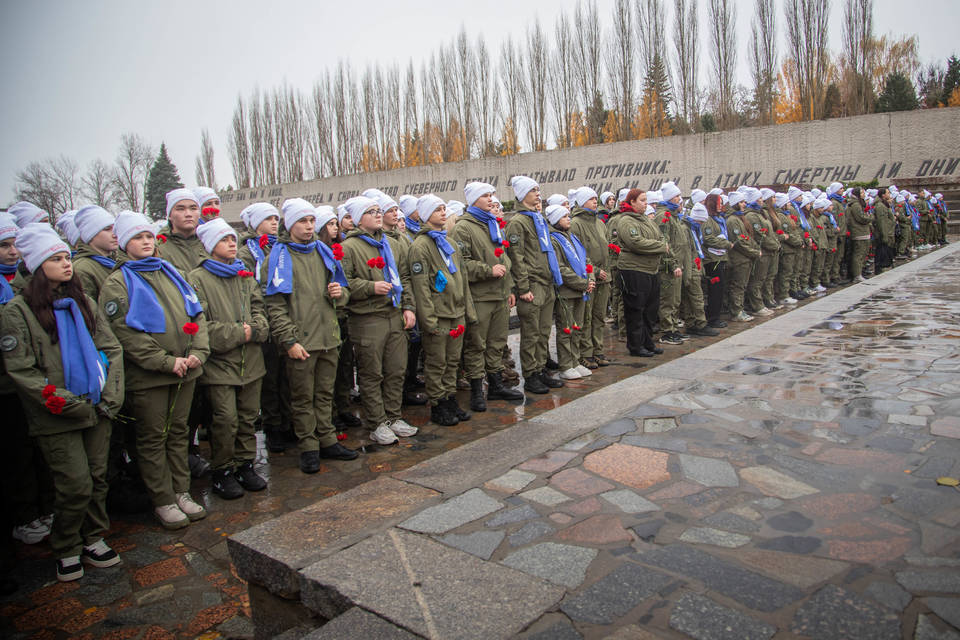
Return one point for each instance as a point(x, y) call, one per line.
point(738, 274)
point(594, 315)
point(829, 258)
point(441, 356)
point(536, 318)
point(816, 267)
point(753, 299)
point(692, 309)
point(344, 382)
point(670, 293)
point(616, 305)
point(838, 258)
point(380, 348)
point(162, 451)
point(786, 274)
point(905, 241)
point(859, 257)
point(78, 462)
point(233, 430)
point(568, 344)
point(484, 342)
point(311, 398)
point(804, 262)
point(274, 392)
point(769, 282)
point(28, 487)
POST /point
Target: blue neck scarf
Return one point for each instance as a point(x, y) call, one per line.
point(390, 271)
point(280, 268)
point(804, 224)
point(543, 236)
point(832, 220)
point(493, 225)
point(835, 197)
point(6, 291)
point(145, 313)
point(753, 206)
point(414, 225)
point(914, 216)
point(109, 263)
point(723, 226)
point(253, 244)
point(221, 269)
point(575, 254)
point(444, 247)
point(672, 207)
point(695, 233)
point(84, 369)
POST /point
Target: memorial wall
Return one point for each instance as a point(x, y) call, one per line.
point(888, 147)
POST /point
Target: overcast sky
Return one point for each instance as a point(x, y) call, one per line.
point(78, 74)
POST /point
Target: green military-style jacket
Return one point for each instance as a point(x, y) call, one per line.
point(710, 230)
point(641, 240)
point(858, 220)
point(592, 232)
point(228, 303)
point(307, 316)
point(33, 360)
point(528, 264)
point(246, 256)
point(678, 237)
point(573, 286)
point(478, 255)
point(362, 277)
point(454, 300)
point(92, 274)
point(744, 246)
point(792, 239)
point(149, 357)
point(759, 227)
point(884, 221)
point(611, 229)
point(818, 232)
point(186, 254)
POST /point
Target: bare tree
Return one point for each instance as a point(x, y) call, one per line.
point(763, 61)
point(588, 68)
point(536, 61)
point(511, 71)
point(98, 185)
point(466, 79)
point(413, 147)
point(807, 22)
point(238, 146)
point(562, 96)
point(723, 18)
point(622, 67)
point(484, 101)
point(686, 40)
point(858, 55)
point(204, 170)
point(133, 165)
point(52, 185)
point(651, 26)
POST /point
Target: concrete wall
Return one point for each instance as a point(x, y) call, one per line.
point(912, 144)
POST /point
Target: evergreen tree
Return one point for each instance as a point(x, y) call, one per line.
point(898, 94)
point(657, 84)
point(951, 80)
point(163, 177)
point(832, 102)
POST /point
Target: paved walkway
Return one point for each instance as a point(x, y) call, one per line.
point(780, 482)
point(631, 476)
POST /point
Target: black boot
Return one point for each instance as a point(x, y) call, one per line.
point(248, 478)
point(534, 384)
point(477, 402)
point(225, 485)
point(551, 382)
point(440, 414)
point(462, 415)
point(496, 390)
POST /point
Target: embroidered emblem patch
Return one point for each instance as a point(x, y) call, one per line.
point(111, 308)
point(416, 267)
point(8, 343)
point(514, 238)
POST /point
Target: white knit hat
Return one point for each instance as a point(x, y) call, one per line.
point(716, 191)
point(342, 213)
point(408, 204)
point(386, 202)
point(780, 200)
point(606, 195)
point(474, 190)
point(204, 194)
point(654, 197)
point(129, 224)
point(178, 195)
point(359, 205)
point(807, 199)
point(8, 226)
point(38, 241)
point(793, 193)
point(325, 214)
point(834, 188)
point(373, 194)
point(455, 208)
point(821, 203)
point(697, 195)
point(522, 186)
point(698, 213)
point(555, 212)
point(766, 193)
point(296, 209)
point(26, 213)
point(669, 190)
point(557, 198)
point(91, 220)
point(581, 195)
point(258, 212)
point(213, 232)
point(751, 194)
point(426, 205)
point(735, 197)
point(622, 194)
point(66, 224)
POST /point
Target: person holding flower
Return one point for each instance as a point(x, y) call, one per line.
point(236, 325)
point(157, 317)
point(68, 371)
point(444, 308)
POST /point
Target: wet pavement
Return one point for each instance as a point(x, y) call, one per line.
point(780, 481)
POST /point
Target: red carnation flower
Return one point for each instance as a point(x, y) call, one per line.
point(848, 233)
point(664, 220)
point(263, 241)
point(162, 238)
point(505, 244)
point(714, 279)
point(48, 391)
point(794, 218)
point(763, 230)
point(337, 249)
point(819, 227)
point(498, 252)
point(577, 327)
point(696, 261)
point(806, 234)
point(210, 211)
point(55, 404)
point(743, 237)
point(814, 246)
point(589, 268)
point(376, 263)
point(840, 214)
point(341, 436)
point(779, 232)
point(191, 328)
point(566, 330)
point(245, 274)
point(614, 248)
point(834, 250)
point(502, 223)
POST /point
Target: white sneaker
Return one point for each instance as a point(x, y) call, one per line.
point(403, 429)
point(383, 435)
point(32, 532)
point(743, 316)
point(763, 311)
point(788, 301)
point(189, 507)
point(821, 288)
point(99, 554)
point(570, 374)
point(859, 279)
point(583, 371)
point(47, 520)
point(171, 517)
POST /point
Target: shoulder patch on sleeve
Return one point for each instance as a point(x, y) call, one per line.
point(634, 231)
point(514, 238)
point(111, 308)
point(8, 343)
point(416, 267)
point(756, 226)
point(707, 231)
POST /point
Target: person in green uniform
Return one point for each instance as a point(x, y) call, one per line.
point(671, 268)
point(236, 325)
point(758, 227)
point(68, 371)
point(26, 213)
point(885, 228)
point(859, 221)
point(209, 203)
point(904, 226)
point(642, 249)
point(818, 234)
point(381, 309)
point(798, 206)
point(770, 246)
point(67, 227)
point(692, 307)
point(157, 317)
point(606, 205)
point(578, 285)
point(588, 226)
point(834, 192)
point(181, 247)
point(445, 308)
point(533, 266)
point(716, 244)
point(96, 254)
point(790, 243)
point(305, 285)
point(944, 212)
point(616, 302)
point(744, 253)
point(482, 249)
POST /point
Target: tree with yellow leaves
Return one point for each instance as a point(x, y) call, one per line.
point(787, 106)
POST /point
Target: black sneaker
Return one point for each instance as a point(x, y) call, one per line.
point(642, 353)
point(705, 330)
point(350, 421)
point(551, 382)
point(440, 414)
point(225, 485)
point(671, 338)
point(198, 465)
point(553, 365)
point(99, 555)
point(534, 384)
point(248, 478)
point(69, 569)
point(338, 452)
point(310, 461)
point(717, 324)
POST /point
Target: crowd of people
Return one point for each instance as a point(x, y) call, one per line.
point(120, 334)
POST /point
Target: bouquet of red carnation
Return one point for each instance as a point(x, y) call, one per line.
point(337, 249)
point(243, 273)
point(615, 248)
point(376, 263)
point(714, 279)
point(210, 212)
point(458, 331)
point(498, 252)
point(263, 241)
point(589, 268)
point(162, 238)
point(697, 262)
point(52, 402)
point(505, 244)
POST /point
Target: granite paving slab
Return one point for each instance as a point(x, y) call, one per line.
point(704, 619)
point(929, 581)
point(480, 543)
point(947, 608)
point(562, 564)
point(453, 513)
point(834, 613)
point(357, 623)
point(614, 595)
point(709, 472)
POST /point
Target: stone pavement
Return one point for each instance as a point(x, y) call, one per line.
point(569, 531)
point(781, 482)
